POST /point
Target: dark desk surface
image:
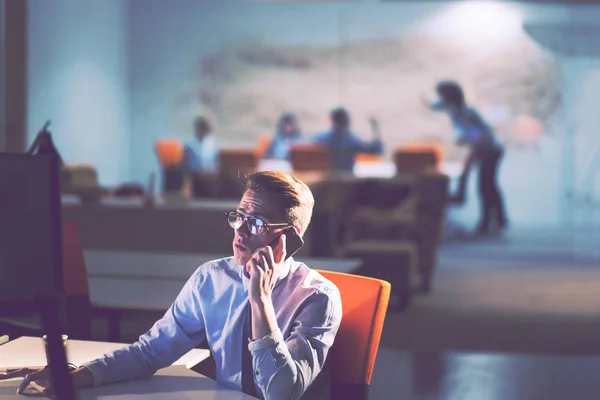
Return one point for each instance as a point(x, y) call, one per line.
point(485, 376)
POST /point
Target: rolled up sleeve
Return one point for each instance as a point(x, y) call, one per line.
point(177, 332)
point(285, 368)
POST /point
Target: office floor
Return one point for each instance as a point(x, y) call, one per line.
point(517, 295)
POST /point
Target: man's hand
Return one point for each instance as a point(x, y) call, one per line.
point(16, 373)
point(40, 377)
point(426, 102)
point(375, 128)
point(264, 268)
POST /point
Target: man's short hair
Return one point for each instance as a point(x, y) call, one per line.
point(451, 92)
point(340, 117)
point(201, 120)
point(291, 193)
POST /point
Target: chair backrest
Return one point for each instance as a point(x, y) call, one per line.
point(367, 158)
point(352, 356)
point(310, 157)
point(416, 158)
point(169, 151)
point(262, 145)
point(234, 161)
point(76, 283)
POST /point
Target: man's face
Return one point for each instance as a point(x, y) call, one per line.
point(261, 206)
point(202, 129)
point(288, 129)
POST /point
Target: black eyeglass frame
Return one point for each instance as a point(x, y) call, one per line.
point(260, 229)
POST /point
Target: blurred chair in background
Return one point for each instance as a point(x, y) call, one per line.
point(390, 212)
point(306, 157)
point(235, 165)
point(76, 290)
point(170, 156)
point(81, 180)
point(417, 158)
point(262, 145)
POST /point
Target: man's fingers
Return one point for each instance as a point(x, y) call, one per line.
point(253, 266)
point(33, 375)
point(26, 381)
point(264, 263)
point(15, 373)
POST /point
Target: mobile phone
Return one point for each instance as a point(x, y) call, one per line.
point(293, 242)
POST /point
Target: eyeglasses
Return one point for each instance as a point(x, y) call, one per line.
point(255, 225)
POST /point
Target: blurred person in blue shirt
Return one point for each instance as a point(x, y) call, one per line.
point(287, 134)
point(201, 154)
point(485, 151)
point(344, 145)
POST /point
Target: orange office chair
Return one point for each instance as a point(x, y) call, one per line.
point(352, 356)
point(416, 158)
point(262, 145)
point(309, 157)
point(169, 152)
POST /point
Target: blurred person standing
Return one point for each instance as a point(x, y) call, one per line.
point(485, 151)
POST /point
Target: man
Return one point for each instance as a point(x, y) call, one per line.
point(201, 154)
point(343, 145)
point(486, 151)
point(293, 312)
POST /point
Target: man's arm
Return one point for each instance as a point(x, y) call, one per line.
point(284, 369)
point(373, 147)
point(177, 332)
point(322, 138)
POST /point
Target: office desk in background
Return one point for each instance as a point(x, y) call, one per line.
point(122, 281)
point(126, 224)
point(174, 382)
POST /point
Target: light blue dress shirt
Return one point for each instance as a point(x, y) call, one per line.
point(281, 145)
point(211, 305)
point(201, 155)
point(472, 130)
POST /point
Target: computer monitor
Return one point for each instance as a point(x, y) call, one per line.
point(30, 232)
point(31, 273)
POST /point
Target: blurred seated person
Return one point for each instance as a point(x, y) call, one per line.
point(344, 145)
point(201, 154)
point(287, 134)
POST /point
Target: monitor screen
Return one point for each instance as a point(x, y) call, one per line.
point(30, 231)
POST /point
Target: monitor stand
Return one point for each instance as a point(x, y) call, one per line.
point(61, 382)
